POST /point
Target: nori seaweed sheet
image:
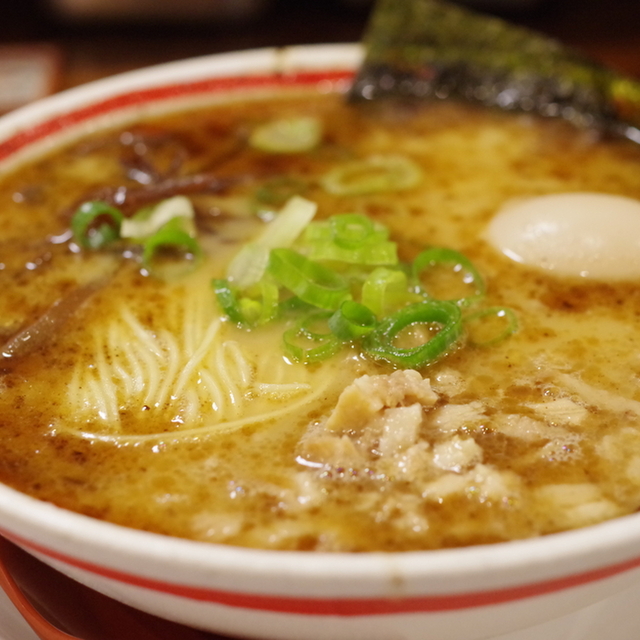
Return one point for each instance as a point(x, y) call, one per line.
point(433, 49)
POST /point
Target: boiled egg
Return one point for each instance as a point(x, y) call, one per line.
point(586, 235)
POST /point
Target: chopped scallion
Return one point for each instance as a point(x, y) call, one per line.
point(150, 219)
point(171, 251)
point(382, 253)
point(376, 174)
point(468, 276)
point(275, 192)
point(287, 135)
point(330, 284)
point(381, 343)
point(385, 290)
point(351, 230)
point(304, 344)
point(96, 224)
point(228, 301)
point(352, 238)
point(258, 307)
point(490, 326)
point(310, 281)
point(250, 263)
point(352, 321)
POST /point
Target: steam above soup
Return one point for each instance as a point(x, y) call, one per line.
point(198, 353)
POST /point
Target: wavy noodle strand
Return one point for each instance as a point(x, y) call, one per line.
point(187, 368)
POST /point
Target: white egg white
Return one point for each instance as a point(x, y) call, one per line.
point(586, 235)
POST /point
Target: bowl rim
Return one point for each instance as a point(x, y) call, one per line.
point(550, 563)
point(81, 109)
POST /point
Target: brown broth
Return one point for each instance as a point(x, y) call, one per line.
point(161, 464)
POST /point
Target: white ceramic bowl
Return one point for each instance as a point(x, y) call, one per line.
point(463, 594)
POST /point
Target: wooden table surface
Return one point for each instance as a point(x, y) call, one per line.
point(607, 30)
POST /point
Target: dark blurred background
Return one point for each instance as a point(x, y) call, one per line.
point(96, 38)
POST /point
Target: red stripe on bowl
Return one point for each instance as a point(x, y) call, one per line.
point(342, 606)
point(120, 101)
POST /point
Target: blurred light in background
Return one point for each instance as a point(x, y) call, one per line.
point(221, 10)
point(159, 9)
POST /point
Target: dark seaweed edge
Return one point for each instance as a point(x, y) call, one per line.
point(423, 49)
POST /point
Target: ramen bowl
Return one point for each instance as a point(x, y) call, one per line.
point(484, 591)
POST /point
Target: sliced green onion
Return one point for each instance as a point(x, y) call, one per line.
point(352, 321)
point(391, 300)
point(246, 311)
point(275, 192)
point(351, 238)
point(263, 301)
point(149, 220)
point(310, 281)
point(287, 135)
point(250, 263)
point(380, 343)
point(350, 230)
point(385, 290)
point(315, 325)
point(490, 326)
point(96, 224)
point(160, 250)
point(383, 253)
point(228, 301)
point(318, 231)
point(302, 344)
point(469, 275)
point(290, 222)
point(293, 304)
point(379, 173)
